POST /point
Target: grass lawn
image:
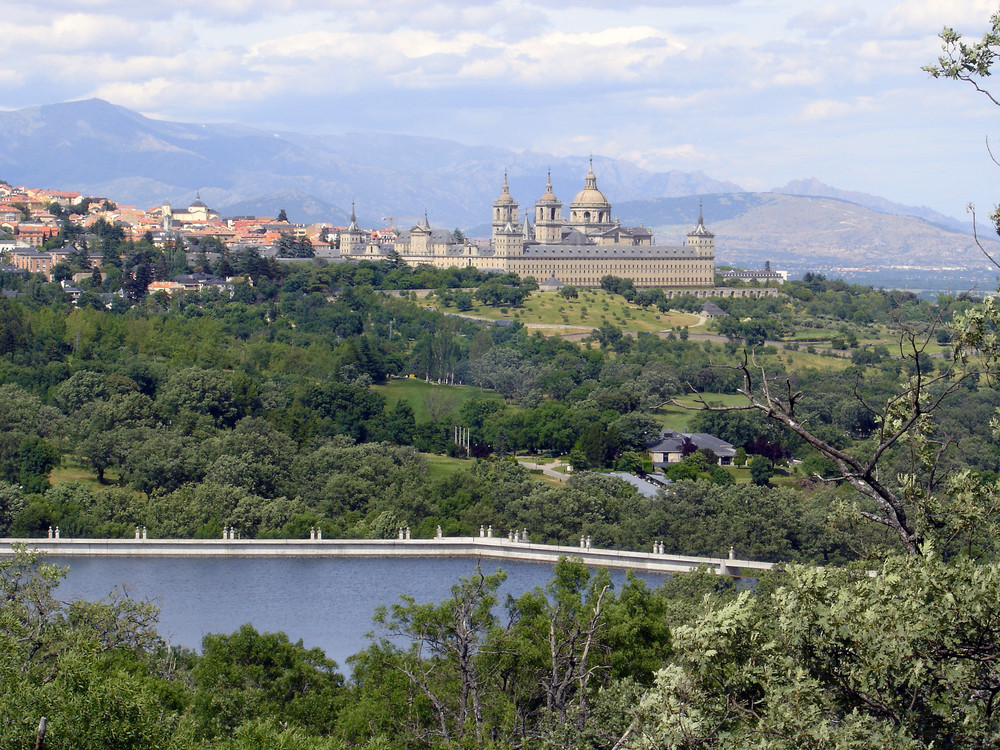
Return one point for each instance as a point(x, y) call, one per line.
point(430, 400)
point(803, 360)
point(677, 418)
point(444, 466)
point(812, 334)
point(740, 473)
point(590, 310)
point(74, 470)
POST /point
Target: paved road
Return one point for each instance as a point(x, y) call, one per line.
point(546, 469)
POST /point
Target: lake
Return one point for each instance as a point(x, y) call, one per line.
point(325, 602)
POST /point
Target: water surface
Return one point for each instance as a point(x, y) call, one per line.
point(324, 602)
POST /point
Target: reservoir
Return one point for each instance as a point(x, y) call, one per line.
point(325, 602)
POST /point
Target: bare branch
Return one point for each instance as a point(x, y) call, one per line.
point(975, 233)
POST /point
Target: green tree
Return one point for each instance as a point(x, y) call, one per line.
point(194, 394)
point(92, 668)
point(249, 675)
point(761, 471)
point(837, 658)
point(444, 662)
point(12, 501)
point(37, 457)
point(572, 638)
point(569, 291)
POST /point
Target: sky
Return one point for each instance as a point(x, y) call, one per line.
point(756, 92)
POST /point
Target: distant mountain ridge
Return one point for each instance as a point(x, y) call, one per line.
point(814, 188)
point(817, 233)
point(100, 148)
point(103, 149)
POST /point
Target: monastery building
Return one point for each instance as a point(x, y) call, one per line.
point(578, 251)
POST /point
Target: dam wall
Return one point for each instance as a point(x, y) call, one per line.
point(473, 547)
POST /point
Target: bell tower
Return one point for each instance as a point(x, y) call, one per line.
point(507, 235)
point(504, 210)
point(700, 239)
point(548, 216)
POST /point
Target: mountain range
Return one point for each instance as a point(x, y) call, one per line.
point(102, 149)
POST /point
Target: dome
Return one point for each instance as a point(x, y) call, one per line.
point(590, 196)
point(548, 196)
point(505, 196)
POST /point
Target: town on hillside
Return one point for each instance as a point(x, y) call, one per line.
point(59, 234)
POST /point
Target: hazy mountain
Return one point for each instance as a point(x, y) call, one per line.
point(103, 149)
point(803, 233)
point(306, 207)
point(814, 188)
point(106, 150)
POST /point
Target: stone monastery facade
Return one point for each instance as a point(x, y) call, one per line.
point(578, 251)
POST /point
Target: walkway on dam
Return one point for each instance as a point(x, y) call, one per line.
point(473, 547)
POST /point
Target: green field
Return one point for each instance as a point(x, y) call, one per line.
point(677, 418)
point(591, 309)
point(430, 401)
point(74, 472)
point(444, 466)
point(803, 360)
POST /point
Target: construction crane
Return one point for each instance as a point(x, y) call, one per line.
point(390, 219)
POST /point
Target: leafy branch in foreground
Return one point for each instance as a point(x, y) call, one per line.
point(907, 507)
point(971, 63)
point(968, 62)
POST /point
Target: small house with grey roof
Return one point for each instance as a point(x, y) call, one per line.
point(673, 446)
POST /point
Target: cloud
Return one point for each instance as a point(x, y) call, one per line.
point(660, 158)
point(612, 5)
point(826, 109)
point(826, 19)
point(72, 33)
point(917, 17)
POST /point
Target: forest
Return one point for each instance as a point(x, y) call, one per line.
point(268, 411)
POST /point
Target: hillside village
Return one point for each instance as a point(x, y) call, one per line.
point(32, 220)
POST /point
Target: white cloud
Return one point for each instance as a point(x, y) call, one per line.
point(827, 109)
point(827, 18)
point(680, 156)
point(72, 33)
point(916, 17)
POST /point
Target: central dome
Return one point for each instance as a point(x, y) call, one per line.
point(590, 196)
point(590, 208)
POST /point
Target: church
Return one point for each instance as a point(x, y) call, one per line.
point(578, 251)
point(196, 213)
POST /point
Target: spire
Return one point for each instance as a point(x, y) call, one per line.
point(548, 197)
point(590, 181)
point(354, 219)
point(701, 230)
point(427, 224)
point(505, 199)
